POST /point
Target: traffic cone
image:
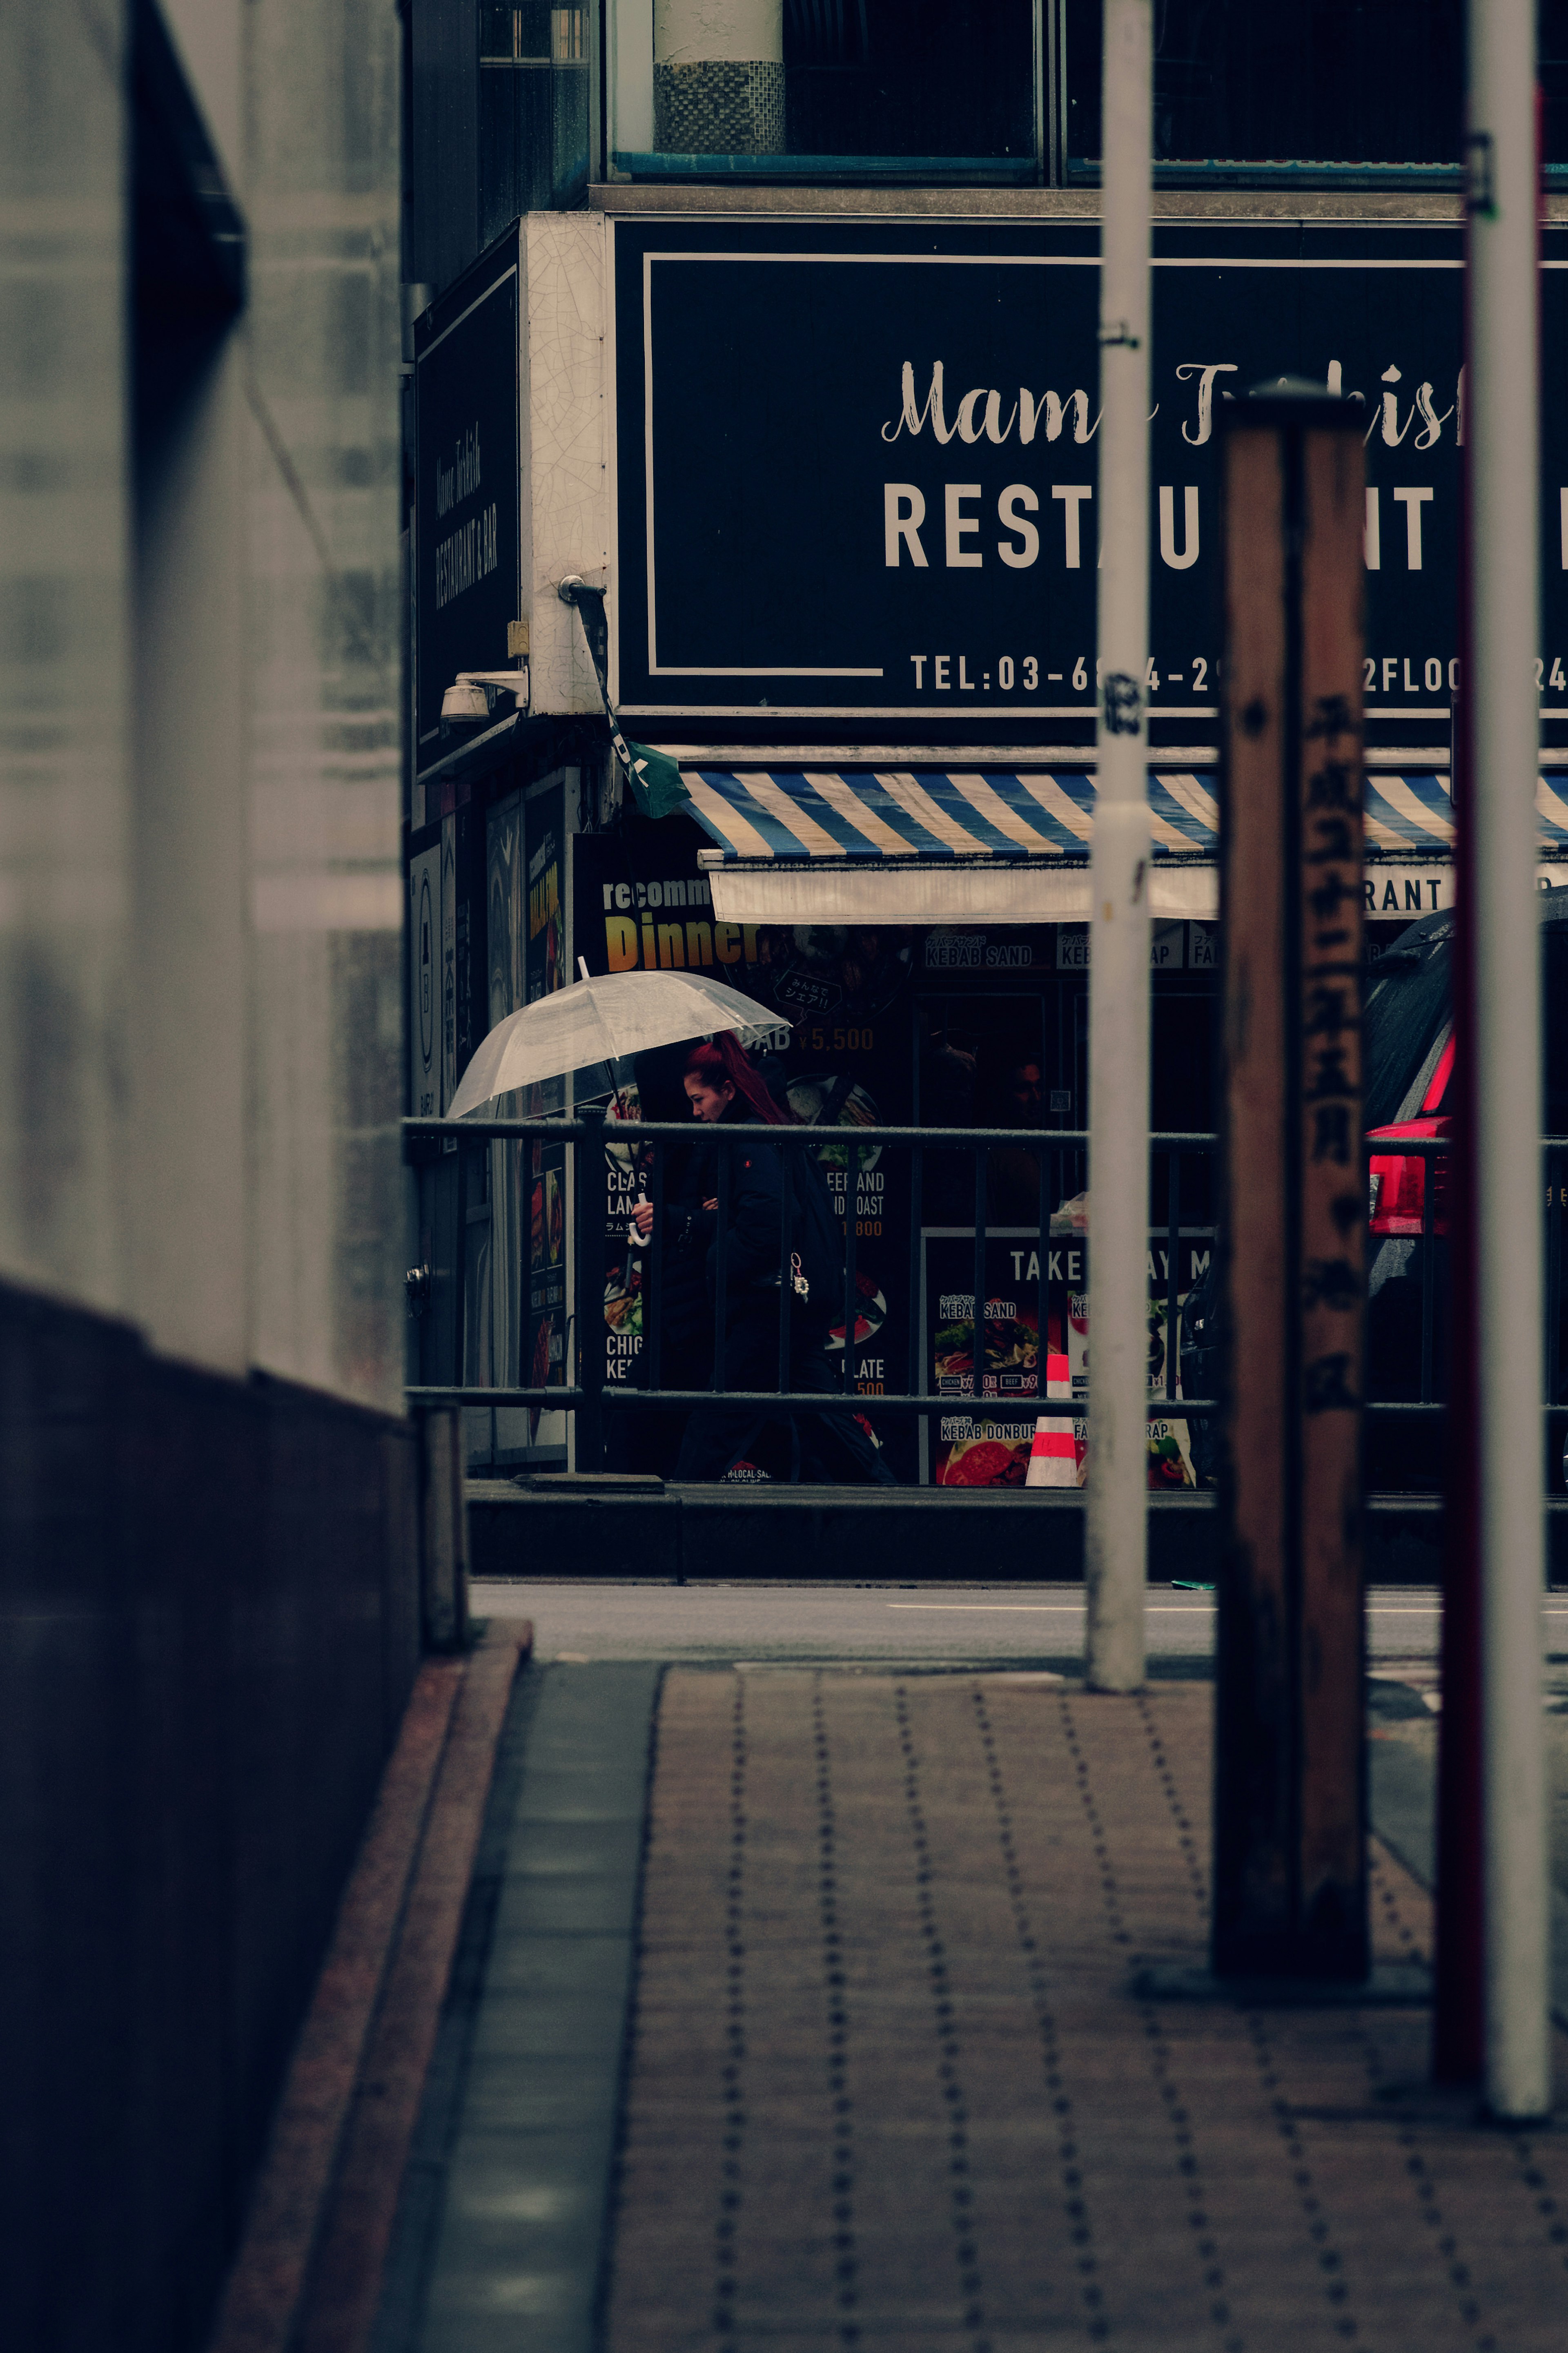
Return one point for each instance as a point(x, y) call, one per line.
point(1053, 1458)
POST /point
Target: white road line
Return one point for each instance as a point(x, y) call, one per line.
point(1171, 1608)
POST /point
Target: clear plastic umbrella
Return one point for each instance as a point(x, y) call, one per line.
point(604, 1019)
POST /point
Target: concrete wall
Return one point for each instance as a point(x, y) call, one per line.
point(208, 1495)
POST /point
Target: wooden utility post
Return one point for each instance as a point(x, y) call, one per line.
point(1290, 1803)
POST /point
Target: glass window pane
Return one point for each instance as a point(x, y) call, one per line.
point(909, 77)
point(853, 78)
point(1330, 81)
point(533, 110)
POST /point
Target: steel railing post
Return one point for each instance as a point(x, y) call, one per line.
point(786, 1285)
point(977, 1351)
point(851, 1286)
point(593, 1212)
point(653, 1332)
point(1116, 1533)
point(722, 1258)
point(1172, 1267)
point(1496, 1006)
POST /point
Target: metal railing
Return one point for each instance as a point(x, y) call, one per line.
point(1060, 1154)
point(1061, 1158)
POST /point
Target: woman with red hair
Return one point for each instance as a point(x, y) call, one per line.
point(720, 1074)
point(724, 1086)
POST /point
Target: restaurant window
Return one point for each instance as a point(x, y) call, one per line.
point(535, 87)
point(943, 89)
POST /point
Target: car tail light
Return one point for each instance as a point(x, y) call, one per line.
point(1397, 1188)
point(1397, 1192)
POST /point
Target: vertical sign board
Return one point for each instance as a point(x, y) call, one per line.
point(448, 960)
point(425, 986)
point(467, 556)
point(1289, 1842)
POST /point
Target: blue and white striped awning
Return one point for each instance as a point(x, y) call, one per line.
point(1012, 845)
point(933, 845)
point(934, 812)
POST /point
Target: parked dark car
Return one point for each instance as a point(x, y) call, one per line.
point(1408, 1039)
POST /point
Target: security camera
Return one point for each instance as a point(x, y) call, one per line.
point(476, 692)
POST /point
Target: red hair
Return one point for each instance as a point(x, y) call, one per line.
point(724, 1057)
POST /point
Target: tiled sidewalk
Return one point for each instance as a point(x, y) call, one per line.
point(889, 2086)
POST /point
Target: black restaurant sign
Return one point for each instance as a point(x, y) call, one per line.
point(856, 464)
point(466, 548)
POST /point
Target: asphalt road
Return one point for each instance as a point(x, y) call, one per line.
point(927, 1624)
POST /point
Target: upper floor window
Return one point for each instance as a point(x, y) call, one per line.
point(536, 90)
point(1343, 84)
point(985, 92)
point(792, 89)
point(1324, 81)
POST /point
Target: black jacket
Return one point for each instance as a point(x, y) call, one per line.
point(756, 1181)
point(690, 1179)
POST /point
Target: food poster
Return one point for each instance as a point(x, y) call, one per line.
point(985, 1442)
point(627, 1180)
point(847, 1078)
point(848, 1069)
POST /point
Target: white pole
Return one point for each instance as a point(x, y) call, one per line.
point(1118, 927)
point(1503, 426)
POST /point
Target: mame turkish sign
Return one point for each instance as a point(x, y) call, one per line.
point(857, 464)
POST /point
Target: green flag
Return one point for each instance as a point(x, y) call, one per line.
point(655, 778)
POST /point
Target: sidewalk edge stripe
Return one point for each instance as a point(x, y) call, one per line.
point(259, 2306)
point(344, 2289)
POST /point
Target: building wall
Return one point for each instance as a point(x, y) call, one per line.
point(200, 888)
point(208, 1629)
point(209, 1491)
